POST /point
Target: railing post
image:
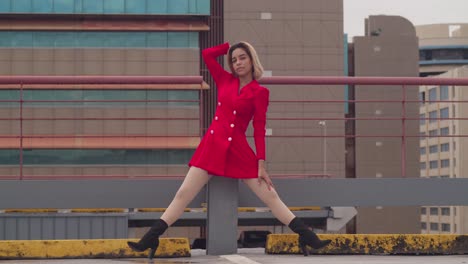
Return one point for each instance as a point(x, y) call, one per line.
point(222, 198)
point(21, 133)
point(403, 131)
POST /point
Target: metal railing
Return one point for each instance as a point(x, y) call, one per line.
point(87, 193)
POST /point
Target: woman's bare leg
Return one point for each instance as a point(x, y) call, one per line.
point(194, 181)
point(272, 200)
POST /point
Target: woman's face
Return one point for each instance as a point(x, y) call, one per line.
point(241, 62)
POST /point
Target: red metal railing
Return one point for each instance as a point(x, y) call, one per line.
point(404, 82)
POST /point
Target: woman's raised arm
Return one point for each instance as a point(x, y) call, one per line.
point(216, 70)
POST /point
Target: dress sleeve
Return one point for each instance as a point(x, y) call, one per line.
point(259, 122)
point(216, 70)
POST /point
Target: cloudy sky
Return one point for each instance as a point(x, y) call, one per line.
point(419, 12)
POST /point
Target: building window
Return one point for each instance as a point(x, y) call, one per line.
point(454, 146)
point(423, 210)
point(434, 226)
point(444, 113)
point(423, 225)
point(433, 94)
point(422, 98)
point(104, 7)
point(432, 116)
point(454, 162)
point(434, 211)
point(433, 133)
point(445, 163)
point(433, 149)
point(422, 151)
point(73, 157)
point(422, 165)
point(445, 210)
point(446, 227)
point(425, 55)
point(422, 135)
point(444, 93)
point(433, 164)
point(444, 131)
point(445, 147)
point(444, 176)
point(159, 98)
point(422, 119)
point(447, 54)
point(98, 39)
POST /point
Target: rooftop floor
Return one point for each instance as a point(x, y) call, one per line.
point(257, 256)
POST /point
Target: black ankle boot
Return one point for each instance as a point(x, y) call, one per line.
point(306, 236)
point(150, 239)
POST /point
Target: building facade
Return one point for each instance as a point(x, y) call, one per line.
point(389, 48)
point(101, 38)
point(443, 53)
point(442, 152)
point(442, 47)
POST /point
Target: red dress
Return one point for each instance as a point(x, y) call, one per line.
point(224, 150)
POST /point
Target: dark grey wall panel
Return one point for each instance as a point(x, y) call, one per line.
point(58, 226)
point(47, 228)
point(84, 227)
point(10, 228)
point(35, 230)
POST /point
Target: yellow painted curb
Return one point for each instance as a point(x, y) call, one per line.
point(31, 211)
point(157, 210)
point(98, 210)
point(343, 244)
point(305, 208)
point(93, 248)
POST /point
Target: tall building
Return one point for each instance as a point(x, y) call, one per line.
point(443, 53)
point(443, 156)
point(442, 47)
point(389, 48)
point(296, 38)
point(67, 37)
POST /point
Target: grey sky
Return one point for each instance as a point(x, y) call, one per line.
point(419, 12)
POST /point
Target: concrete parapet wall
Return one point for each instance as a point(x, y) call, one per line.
point(99, 248)
point(343, 244)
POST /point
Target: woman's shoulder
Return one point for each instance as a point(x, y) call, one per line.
point(258, 87)
point(262, 89)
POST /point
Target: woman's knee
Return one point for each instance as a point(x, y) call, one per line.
point(272, 194)
point(262, 190)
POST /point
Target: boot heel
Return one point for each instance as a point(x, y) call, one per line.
point(304, 249)
point(151, 253)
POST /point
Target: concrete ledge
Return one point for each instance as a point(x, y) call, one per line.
point(106, 248)
point(343, 244)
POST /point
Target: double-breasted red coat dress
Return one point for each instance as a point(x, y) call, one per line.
point(224, 150)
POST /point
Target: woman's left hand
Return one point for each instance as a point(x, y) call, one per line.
point(263, 176)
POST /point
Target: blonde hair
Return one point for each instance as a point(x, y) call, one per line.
point(257, 68)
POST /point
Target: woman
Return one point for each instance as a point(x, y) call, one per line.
point(224, 150)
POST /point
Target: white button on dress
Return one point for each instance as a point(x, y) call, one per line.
point(212, 131)
point(232, 125)
point(229, 138)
